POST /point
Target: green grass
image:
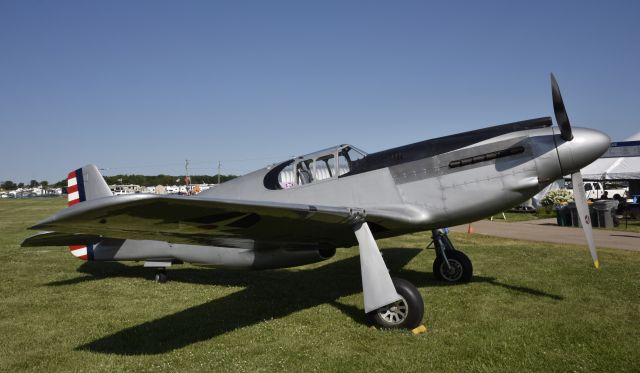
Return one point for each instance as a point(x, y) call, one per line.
point(530, 307)
point(518, 216)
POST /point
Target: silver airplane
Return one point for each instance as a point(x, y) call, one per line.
point(299, 211)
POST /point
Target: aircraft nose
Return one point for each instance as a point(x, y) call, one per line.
point(586, 146)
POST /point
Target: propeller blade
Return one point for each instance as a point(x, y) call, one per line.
point(561, 113)
point(580, 198)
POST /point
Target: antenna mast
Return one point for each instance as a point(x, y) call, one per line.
point(219, 167)
point(187, 179)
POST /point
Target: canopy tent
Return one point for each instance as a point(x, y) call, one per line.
point(620, 162)
point(622, 168)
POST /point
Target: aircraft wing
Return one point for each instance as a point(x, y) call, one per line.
point(206, 221)
point(60, 239)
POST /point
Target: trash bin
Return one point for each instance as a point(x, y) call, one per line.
point(605, 212)
point(575, 218)
point(563, 216)
point(573, 211)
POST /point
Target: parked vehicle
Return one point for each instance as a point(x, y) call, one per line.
point(595, 190)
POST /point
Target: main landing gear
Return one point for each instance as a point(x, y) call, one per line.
point(405, 313)
point(450, 265)
point(390, 303)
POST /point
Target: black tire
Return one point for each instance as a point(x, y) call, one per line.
point(406, 313)
point(461, 267)
point(161, 277)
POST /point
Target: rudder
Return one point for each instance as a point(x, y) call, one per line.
point(85, 184)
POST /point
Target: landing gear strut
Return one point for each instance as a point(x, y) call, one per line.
point(391, 303)
point(450, 265)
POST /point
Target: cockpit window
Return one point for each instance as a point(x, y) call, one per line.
point(343, 164)
point(347, 156)
point(353, 154)
point(304, 170)
point(286, 178)
point(326, 164)
point(325, 167)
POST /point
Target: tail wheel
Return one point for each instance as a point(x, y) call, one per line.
point(405, 313)
point(461, 268)
point(161, 276)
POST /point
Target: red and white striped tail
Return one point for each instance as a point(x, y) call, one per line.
point(75, 187)
point(76, 194)
point(82, 252)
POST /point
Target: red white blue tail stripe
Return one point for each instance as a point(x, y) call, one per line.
point(75, 188)
point(82, 252)
point(76, 194)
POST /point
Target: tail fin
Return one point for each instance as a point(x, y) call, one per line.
point(85, 184)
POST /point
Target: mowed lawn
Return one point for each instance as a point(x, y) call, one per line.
point(530, 307)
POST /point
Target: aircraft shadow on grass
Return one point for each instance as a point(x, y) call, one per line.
point(266, 295)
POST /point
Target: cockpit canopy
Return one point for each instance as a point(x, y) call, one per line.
point(325, 164)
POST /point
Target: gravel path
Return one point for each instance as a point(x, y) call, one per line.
point(546, 230)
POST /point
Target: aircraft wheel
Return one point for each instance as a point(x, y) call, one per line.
point(161, 276)
point(461, 267)
point(405, 313)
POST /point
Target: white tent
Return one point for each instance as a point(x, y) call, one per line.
point(620, 162)
point(623, 168)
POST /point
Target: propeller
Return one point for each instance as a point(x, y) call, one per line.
point(579, 193)
point(561, 113)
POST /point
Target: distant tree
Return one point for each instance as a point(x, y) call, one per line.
point(33, 183)
point(20, 185)
point(9, 185)
point(44, 184)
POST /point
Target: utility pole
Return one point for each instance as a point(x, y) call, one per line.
point(187, 180)
point(219, 167)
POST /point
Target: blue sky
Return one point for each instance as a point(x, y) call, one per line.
point(140, 86)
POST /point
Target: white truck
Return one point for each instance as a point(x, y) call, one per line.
point(595, 190)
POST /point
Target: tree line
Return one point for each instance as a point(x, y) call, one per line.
point(143, 180)
point(10, 185)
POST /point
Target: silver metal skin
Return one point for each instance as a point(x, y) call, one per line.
point(245, 223)
point(378, 288)
point(160, 251)
point(578, 152)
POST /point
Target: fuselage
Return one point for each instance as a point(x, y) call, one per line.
point(451, 180)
